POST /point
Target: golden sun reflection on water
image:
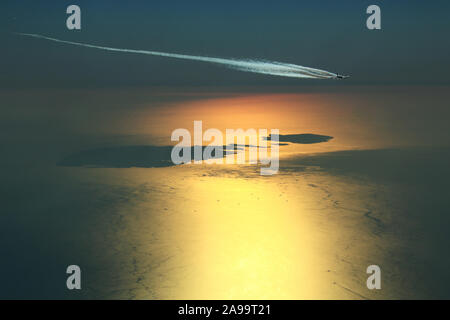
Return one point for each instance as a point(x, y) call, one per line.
point(251, 245)
point(339, 116)
point(225, 232)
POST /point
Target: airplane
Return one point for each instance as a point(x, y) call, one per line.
point(340, 76)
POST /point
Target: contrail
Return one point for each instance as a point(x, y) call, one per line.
point(248, 65)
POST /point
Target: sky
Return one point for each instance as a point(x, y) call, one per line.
point(412, 48)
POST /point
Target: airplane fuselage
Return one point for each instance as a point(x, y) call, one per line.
point(339, 76)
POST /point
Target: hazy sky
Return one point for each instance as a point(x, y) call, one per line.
point(411, 48)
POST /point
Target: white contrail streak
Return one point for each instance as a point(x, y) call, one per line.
point(248, 65)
